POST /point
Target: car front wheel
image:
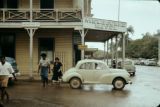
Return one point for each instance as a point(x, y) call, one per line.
point(118, 83)
point(75, 83)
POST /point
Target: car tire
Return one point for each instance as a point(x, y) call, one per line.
point(133, 74)
point(119, 83)
point(75, 83)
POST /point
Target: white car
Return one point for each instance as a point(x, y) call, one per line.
point(129, 66)
point(97, 72)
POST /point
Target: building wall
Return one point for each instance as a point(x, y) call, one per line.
point(63, 48)
point(36, 4)
point(63, 3)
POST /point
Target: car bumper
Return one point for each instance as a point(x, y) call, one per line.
point(129, 82)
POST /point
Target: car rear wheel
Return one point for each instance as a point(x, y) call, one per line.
point(118, 83)
point(75, 83)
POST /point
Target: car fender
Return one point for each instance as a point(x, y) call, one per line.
point(106, 79)
point(72, 75)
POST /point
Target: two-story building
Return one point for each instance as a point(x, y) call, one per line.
point(56, 27)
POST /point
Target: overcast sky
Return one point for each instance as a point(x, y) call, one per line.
point(144, 16)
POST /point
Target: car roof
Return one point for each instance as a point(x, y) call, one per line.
point(90, 60)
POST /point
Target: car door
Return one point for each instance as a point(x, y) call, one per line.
point(101, 73)
point(86, 71)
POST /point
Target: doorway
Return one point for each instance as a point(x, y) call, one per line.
point(77, 53)
point(46, 45)
point(7, 45)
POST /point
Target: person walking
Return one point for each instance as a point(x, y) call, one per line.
point(57, 70)
point(5, 70)
point(44, 69)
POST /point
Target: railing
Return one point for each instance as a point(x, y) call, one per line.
point(41, 15)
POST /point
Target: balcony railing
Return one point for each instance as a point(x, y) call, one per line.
point(41, 15)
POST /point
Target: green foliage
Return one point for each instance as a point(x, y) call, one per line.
point(147, 47)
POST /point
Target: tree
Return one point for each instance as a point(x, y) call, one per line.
point(147, 47)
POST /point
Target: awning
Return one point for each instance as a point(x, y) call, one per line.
point(100, 30)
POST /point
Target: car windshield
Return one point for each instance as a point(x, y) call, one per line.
point(11, 61)
point(87, 65)
point(128, 62)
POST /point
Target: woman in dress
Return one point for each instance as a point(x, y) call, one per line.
point(57, 70)
point(44, 69)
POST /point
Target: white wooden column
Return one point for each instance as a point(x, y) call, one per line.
point(116, 51)
point(31, 10)
point(123, 49)
point(159, 51)
point(83, 44)
point(104, 51)
point(112, 54)
point(31, 32)
point(107, 51)
point(82, 31)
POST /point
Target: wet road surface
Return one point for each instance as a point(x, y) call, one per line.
point(144, 92)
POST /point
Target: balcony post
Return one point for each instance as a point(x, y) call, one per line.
point(31, 10)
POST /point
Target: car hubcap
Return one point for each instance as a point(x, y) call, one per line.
point(119, 84)
point(75, 83)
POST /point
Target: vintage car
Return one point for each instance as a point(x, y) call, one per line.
point(13, 63)
point(97, 72)
point(129, 66)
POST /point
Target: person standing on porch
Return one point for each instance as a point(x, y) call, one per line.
point(57, 70)
point(44, 69)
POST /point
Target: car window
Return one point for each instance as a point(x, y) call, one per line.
point(99, 66)
point(128, 62)
point(87, 65)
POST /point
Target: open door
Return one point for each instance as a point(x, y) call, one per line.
point(46, 45)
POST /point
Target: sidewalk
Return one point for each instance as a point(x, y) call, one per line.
point(36, 77)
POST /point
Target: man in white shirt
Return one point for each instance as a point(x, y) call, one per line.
point(5, 70)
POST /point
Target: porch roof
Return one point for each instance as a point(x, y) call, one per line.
point(101, 30)
point(99, 36)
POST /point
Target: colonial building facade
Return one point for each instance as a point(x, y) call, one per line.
point(56, 27)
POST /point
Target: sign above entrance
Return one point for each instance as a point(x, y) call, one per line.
point(30, 24)
point(105, 25)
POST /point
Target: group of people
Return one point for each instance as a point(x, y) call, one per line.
point(44, 69)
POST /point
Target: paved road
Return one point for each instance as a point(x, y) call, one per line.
point(144, 92)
